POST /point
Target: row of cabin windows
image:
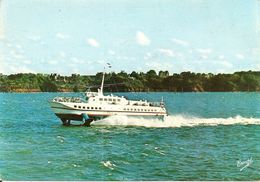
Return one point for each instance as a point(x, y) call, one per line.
point(145, 110)
point(83, 107)
point(110, 100)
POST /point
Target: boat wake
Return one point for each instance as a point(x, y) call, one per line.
point(175, 121)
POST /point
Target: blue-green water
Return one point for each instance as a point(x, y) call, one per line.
point(206, 137)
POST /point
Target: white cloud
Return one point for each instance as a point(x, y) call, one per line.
point(34, 37)
point(111, 52)
point(221, 57)
point(1, 63)
point(255, 51)
point(76, 60)
point(167, 52)
point(226, 64)
point(93, 42)
point(18, 46)
point(158, 65)
point(2, 26)
point(20, 69)
point(61, 35)
point(53, 62)
point(101, 62)
point(204, 56)
point(16, 55)
point(27, 61)
point(240, 56)
point(148, 54)
point(62, 54)
point(181, 42)
point(204, 51)
point(142, 39)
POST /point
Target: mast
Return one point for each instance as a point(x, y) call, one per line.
point(103, 78)
point(102, 83)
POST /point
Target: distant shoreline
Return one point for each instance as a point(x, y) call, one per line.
point(151, 81)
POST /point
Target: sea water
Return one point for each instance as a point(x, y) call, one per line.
point(207, 136)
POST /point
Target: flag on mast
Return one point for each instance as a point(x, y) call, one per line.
point(109, 65)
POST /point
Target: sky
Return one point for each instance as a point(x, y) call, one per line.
point(81, 36)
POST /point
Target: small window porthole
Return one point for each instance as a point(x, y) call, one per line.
point(75, 106)
point(87, 107)
point(92, 107)
point(95, 107)
point(100, 108)
point(83, 107)
point(79, 106)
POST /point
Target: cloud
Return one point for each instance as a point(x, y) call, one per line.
point(111, 52)
point(2, 27)
point(240, 56)
point(221, 57)
point(62, 54)
point(61, 35)
point(27, 61)
point(34, 37)
point(20, 69)
point(1, 63)
point(167, 52)
point(226, 64)
point(204, 56)
point(181, 42)
point(142, 39)
point(76, 60)
point(158, 65)
point(93, 42)
point(53, 62)
point(204, 51)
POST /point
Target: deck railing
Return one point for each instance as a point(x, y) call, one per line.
point(68, 99)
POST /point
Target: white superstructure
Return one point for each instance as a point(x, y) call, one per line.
point(96, 106)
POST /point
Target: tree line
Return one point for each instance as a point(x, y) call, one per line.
point(133, 82)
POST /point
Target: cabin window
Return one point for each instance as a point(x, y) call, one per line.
point(87, 107)
point(99, 108)
point(114, 100)
point(79, 106)
point(101, 99)
point(128, 109)
point(118, 100)
point(75, 106)
point(131, 109)
point(92, 107)
point(135, 109)
point(110, 100)
point(105, 99)
point(145, 110)
point(138, 109)
point(95, 107)
point(141, 109)
point(83, 107)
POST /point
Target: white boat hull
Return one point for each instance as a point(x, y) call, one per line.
point(66, 111)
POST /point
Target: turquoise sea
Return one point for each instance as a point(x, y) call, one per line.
point(207, 136)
